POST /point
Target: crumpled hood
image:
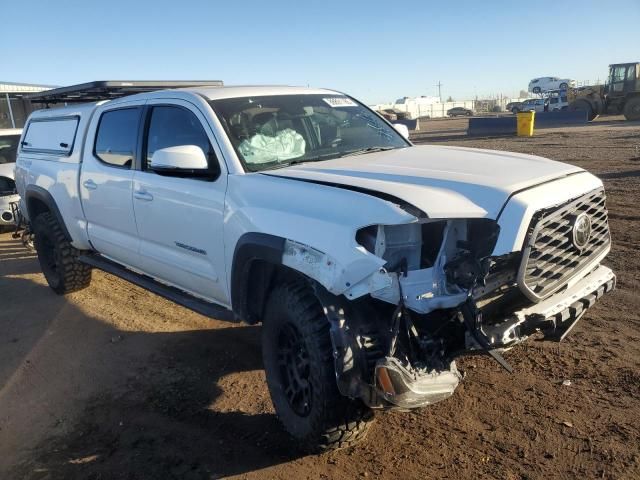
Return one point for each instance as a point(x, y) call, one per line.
point(443, 182)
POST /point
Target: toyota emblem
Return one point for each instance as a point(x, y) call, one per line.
point(581, 231)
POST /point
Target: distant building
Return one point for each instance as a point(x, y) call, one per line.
point(422, 100)
point(14, 108)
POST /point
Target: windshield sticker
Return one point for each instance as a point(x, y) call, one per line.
point(340, 102)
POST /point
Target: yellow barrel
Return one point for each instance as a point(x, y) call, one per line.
point(526, 121)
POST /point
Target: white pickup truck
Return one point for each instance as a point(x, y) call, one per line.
point(371, 263)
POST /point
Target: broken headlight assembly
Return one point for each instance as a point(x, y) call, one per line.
point(434, 262)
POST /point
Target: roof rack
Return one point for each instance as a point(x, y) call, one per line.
point(110, 89)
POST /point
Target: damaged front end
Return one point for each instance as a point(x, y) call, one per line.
point(397, 332)
point(439, 294)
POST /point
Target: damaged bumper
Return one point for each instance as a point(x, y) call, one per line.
point(556, 315)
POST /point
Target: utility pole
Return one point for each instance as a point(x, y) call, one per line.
point(439, 85)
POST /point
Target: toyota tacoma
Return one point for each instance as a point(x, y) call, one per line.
point(371, 263)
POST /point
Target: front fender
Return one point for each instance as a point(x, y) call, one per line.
point(317, 222)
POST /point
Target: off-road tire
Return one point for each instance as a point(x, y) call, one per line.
point(632, 109)
point(58, 258)
point(332, 420)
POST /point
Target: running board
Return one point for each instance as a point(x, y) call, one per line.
point(208, 309)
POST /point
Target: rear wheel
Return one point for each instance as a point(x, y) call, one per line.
point(58, 258)
point(632, 109)
point(298, 361)
point(564, 86)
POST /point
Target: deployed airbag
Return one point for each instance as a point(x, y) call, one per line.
point(285, 145)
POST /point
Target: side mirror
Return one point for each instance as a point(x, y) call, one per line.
point(402, 129)
point(182, 160)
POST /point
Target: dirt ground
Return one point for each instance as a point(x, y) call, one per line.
point(116, 383)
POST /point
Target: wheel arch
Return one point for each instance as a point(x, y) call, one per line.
point(38, 200)
point(257, 266)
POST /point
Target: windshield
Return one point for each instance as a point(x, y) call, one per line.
point(8, 148)
point(279, 130)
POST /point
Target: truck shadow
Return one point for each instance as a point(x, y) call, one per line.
point(127, 404)
point(174, 420)
point(14, 258)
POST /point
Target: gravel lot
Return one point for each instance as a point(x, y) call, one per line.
point(116, 383)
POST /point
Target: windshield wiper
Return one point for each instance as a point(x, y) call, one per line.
point(362, 151)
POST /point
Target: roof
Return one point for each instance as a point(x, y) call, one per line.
point(109, 89)
point(257, 91)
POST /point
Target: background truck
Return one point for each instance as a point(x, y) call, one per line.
point(620, 95)
point(371, 263)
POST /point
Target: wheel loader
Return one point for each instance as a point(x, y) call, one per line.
point(620, 95)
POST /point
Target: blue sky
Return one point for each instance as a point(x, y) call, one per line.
point(375, 50)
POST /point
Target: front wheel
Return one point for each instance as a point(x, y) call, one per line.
point(298, 361)
point(536, 90)
point(584, 105)
point(632, 109)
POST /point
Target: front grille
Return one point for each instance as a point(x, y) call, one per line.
point(551, 258)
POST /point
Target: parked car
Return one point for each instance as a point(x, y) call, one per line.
point(557, 102)
point(529, 105)
point(512, 105)
point(371, 263)
point(9, 140)
point(543, 84)
point(459, 112)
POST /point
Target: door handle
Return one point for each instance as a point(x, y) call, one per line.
point(142, 195)
point(89, 184)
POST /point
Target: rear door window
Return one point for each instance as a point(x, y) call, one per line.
point(117, 135)
point(51, 135)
